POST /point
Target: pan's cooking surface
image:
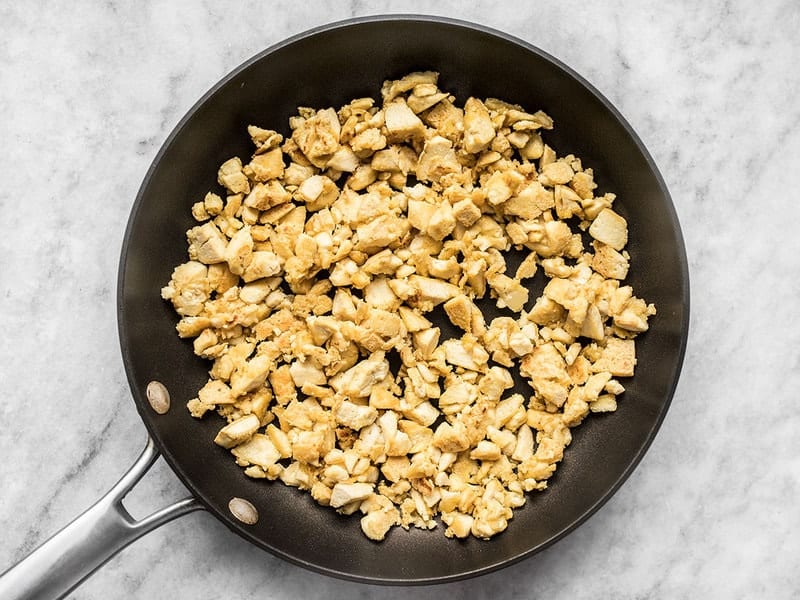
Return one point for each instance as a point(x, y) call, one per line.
point(328, 68)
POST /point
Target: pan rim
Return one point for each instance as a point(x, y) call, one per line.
point(174, 464)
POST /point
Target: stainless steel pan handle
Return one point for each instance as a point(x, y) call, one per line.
point(61, 563)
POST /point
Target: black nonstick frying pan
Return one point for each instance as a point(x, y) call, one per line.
point(327, 67)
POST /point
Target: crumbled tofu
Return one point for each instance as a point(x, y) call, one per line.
point(238, 431)
point(266, 166)
point(618, 357)
point(451, 438)
point(262, 264)
point(401, 122)
point(250, 375)
point(633, 316)
point(344, 159)
point(357, 382)
point(207, 244)
point(485, 450)
point(355, 416)
point(432, 292)
point(459, 524)
point(377, 523)
point(437, 160)
point(501, 185)
point(317, 137)
point(463, 313)
point(304, 372)
point(188, 289)
point(608, 262)
point(604, 403)
point(313, 277)
point(426, 341)
point(367, 142)
point(216, 392)
point(610, 228)
point(465, 212)
point(318, 192)
point(510, 292)
point(231, 176)
point(556, 172)
point(380, 233)
point(391, 89)
point(258, 450)
point(345, 493)
point(547, 371)
point(442, 221)
point(424, 96)
point(470, 356)
point(530, 201)
point(478, 128)
point(239, 251)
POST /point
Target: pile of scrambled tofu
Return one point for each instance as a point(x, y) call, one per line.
point(324, 257)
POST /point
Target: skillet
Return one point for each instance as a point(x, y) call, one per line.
point(329, 66)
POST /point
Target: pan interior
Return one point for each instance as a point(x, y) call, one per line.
point(329, 67)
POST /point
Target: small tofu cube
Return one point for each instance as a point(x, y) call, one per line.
point(433, 291)
point(401, 122)
point(355, 416)
point(230, 175)
point(610, 228)
point(258, 450)
point(478, 128)
point(251, 374)
point(264, 167)
point(377, 523)
point(437, 160)
point(608, 262)
point(618, 358)
point(238, 431)
point(206, 244)
point(555, 173)
point(465, 212)
point(357, 381)
point(345, 493)
point(460, 310)
point(262, 264)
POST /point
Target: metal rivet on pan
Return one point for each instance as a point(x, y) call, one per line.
point(158, 397)
point(243, 510)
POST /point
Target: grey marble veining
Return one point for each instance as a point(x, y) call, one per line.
point(87, 95)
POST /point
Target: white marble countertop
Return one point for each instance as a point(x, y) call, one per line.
point(89, 92)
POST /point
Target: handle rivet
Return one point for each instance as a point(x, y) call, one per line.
point(243, 510)
point(158, 397)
